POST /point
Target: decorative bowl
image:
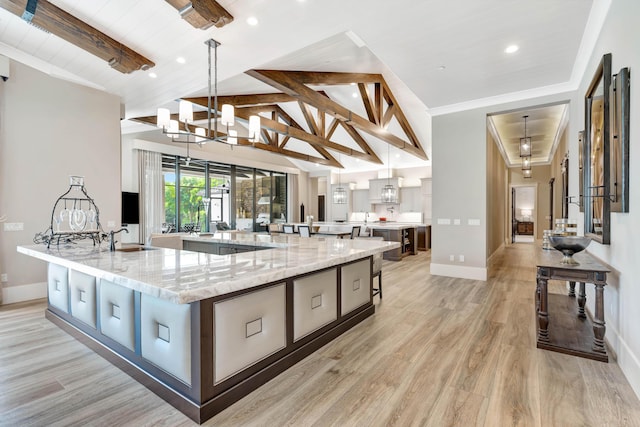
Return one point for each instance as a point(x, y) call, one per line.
point(569, 245)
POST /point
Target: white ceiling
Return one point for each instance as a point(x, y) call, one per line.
point(544, 126)
point(406, 40)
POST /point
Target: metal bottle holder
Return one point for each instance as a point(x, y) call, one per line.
point(75, 216)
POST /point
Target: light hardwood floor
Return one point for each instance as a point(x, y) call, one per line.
point(438, 352)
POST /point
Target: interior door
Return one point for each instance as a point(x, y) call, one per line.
point(321, 207)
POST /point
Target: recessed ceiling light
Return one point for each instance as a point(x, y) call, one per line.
point(441, 68)
point(180, 60)
point(353, 84)
point(354, 94)
point(153, 75)
point(397, 156)
point(252, 20)
point(512, 49)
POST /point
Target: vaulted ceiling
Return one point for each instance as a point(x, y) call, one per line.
point(435, 56)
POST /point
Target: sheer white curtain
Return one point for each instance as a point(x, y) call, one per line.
point(292, 197)
point(151, 193)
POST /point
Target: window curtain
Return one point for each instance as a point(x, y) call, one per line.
point(151, 194)
point(293, 199)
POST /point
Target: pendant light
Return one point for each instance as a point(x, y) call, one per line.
point(525, 143)
point(339, 193)
point(183, 129)
point(389, 192)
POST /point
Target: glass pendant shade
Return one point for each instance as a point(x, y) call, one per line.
point(227, 117)
point(201, 135)
point(526, 163)
point(526, 173)
point(525, 147)
point(389, 194)
point(254, 128)
point(163, 118)
point(186, 112)
point(339, 196)
point(233, 137)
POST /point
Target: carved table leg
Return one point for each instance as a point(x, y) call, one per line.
point(572, 289)
point(598, 321)
point(543, 316)
point(582, 298)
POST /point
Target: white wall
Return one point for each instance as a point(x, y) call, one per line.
point(619, 37)
point(51, 129)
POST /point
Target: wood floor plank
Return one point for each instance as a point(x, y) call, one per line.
point(438, 352)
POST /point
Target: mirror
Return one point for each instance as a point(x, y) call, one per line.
point(619, 160)
point(597, 203)
point(581, 170)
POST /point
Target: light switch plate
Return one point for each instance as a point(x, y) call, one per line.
point(456, 221)
point(444, 221)
point(473, 221)
point(13, 226)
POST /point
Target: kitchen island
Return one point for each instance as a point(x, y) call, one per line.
point(204, 330)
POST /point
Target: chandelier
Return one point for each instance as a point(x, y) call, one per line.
point(525, 151)
point(184, 130)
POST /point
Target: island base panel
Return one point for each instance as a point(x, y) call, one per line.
point(203, 412)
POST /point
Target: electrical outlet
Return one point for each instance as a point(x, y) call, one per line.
point(4, 278)
point(452, 257)
point(461, 258)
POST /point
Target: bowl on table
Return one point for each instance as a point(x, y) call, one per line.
point(569, 245)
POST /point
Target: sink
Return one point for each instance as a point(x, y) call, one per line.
point(135, 249)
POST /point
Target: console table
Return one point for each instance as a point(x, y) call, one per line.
point(566, 328)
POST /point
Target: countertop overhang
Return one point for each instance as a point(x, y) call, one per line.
point(183, 276)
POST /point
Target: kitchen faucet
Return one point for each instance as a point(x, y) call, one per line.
point(112, 243)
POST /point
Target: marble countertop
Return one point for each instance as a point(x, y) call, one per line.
point(183, 276)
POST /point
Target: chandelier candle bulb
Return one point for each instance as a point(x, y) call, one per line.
point(173, 128)
point(164, 117)
point(233, 137)
point(227, 117)
point(186, 112)
point(200, 132)
point(254, 128)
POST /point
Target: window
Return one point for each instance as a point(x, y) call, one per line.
point(243, 198)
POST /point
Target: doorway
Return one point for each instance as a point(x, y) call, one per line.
point(523, 213)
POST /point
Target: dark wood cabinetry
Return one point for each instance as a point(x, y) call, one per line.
point(424, 238)
point(407, 238)
point(525, 228)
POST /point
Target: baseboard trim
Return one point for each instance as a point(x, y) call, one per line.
point(623, 355)
point(22, 293)
point(462, 272)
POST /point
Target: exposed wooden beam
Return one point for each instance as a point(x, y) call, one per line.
point(66, 26)
point(302, 135)
point(333, 78)
point(202, 14)
point(292, 83)
point(372, 114)
point(401, 118)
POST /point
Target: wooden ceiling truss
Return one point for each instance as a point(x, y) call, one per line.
point(202, 14)
point(54, 20)
point(296, 84)
point(322, 115)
